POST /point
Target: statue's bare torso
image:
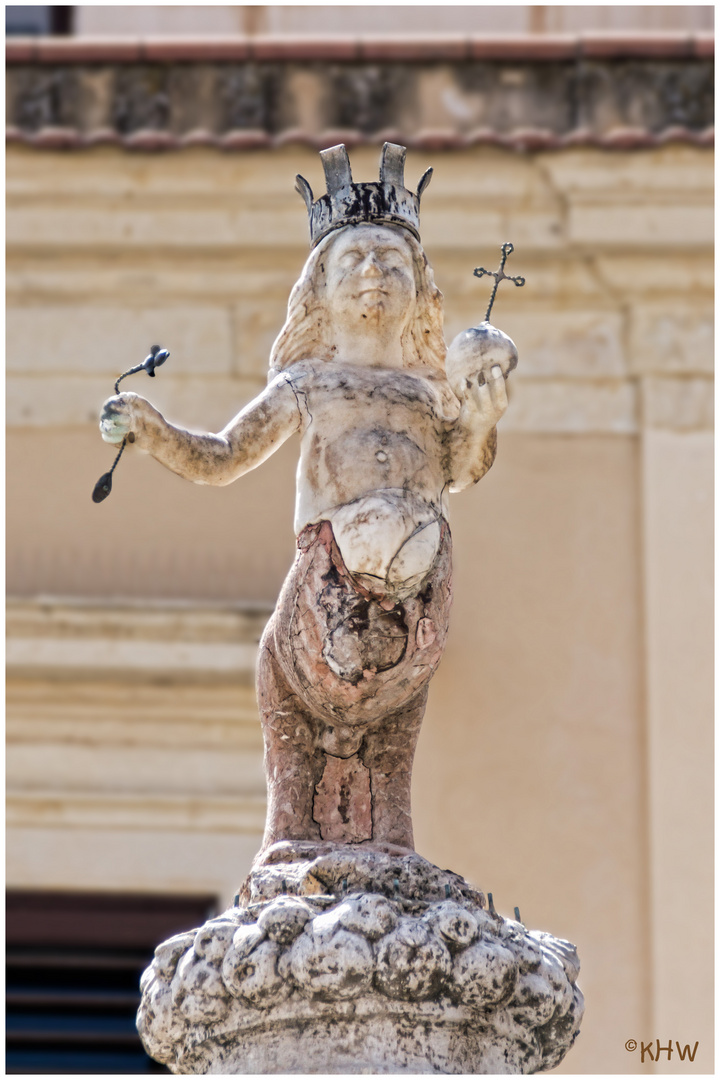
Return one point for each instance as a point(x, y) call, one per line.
point(380, 475)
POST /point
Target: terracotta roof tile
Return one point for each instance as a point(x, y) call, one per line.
point(522, 139)
point(636, 45)
point(438, 47)
point(630, 138)
point(400, 49)
point(149, 139)
point(103, 137)
point(81, 50)
point(438, 139)
point(56, 138)
point(298, 49)
point(703, 45)
point(245, 140)
point(524, 47)
point(199, 137)
point(199, 50)
point(21, 50)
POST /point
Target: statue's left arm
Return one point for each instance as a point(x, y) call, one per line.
point(478, 362)
point(472, 440)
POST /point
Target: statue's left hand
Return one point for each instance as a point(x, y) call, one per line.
point(489, 396)
point(475, 354)
point(478, 363)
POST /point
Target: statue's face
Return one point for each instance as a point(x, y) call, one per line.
point(369, 276)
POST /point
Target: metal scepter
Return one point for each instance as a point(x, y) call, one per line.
point(154, 359)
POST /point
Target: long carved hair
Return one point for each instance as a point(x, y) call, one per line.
point(307, 333)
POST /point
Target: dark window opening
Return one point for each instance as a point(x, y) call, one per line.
point(74, 962)
point(38, 19)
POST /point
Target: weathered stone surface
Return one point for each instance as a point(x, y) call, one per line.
point(574, 406)
point(497, 93)
point(343, 801)
point(675, 339)
point(485, 975)
point(360, 981)
point(607, 222)
point(331, 963)
point(412, 963)
point(95, 341)
point(678, 403)
point(570, 344)
point(306, 868)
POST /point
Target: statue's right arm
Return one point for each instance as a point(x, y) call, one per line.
point(248, 440)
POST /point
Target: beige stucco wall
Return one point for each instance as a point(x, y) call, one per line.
point(354, 18)
point(565, 761)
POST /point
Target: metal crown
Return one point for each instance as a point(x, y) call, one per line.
point(388, 202)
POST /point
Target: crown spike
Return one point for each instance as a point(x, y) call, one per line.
point(392, 164)
point(304, 189)
point(424, 181)
point(336, 164)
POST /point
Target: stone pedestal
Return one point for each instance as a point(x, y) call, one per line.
point(343, 960)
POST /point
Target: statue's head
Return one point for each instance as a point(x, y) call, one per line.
point(366, 266)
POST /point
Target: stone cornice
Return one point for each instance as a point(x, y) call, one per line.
point(448, 92)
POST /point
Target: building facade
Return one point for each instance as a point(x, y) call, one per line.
point(565, 759)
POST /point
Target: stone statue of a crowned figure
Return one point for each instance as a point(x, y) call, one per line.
point(344, 950)
point(390, 423)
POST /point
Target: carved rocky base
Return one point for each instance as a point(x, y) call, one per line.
point(347, 961)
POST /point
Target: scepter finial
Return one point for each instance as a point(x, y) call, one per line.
point(499, 275)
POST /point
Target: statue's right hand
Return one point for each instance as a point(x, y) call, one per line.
point(121, 416)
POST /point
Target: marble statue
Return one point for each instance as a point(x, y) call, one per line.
point(389, 426)
point(391, 422)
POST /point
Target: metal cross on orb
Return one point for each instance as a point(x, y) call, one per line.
point(499, 275)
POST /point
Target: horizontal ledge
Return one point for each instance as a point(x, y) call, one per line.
point(56, 639)
point(354, 48)
point(243, 140)
point(108, 655)
point(193, 813)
